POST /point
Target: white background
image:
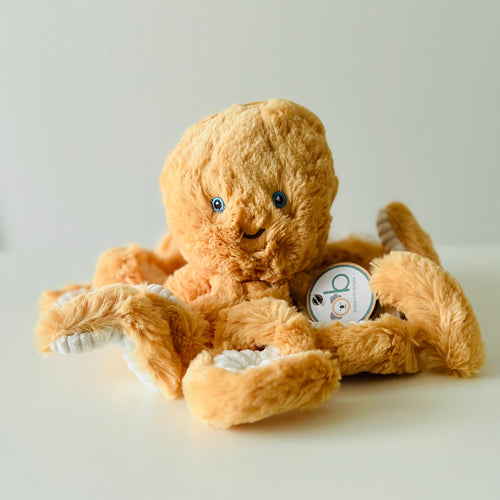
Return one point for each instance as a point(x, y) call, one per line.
point(94, 94)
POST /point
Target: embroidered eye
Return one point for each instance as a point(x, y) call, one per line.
point(279, 199)
point(218, 205)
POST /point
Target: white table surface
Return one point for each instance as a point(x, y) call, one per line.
point(85, 427)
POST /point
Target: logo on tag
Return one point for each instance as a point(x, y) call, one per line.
point(342, 293)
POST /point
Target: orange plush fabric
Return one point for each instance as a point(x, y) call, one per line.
point(247, 194)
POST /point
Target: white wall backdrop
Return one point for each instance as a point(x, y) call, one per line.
point(94, 94)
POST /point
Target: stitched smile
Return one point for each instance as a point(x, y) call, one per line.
point(253, 236)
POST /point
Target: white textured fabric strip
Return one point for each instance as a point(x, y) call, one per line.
point(238, 361)
point(69, 295)
point(88, 341)
point(386, 233)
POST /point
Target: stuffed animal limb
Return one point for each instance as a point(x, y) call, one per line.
point(399, 230)
point(447, 331)
point(440, 333)
point(158, 332)
point(132, 265)
point(230, 389)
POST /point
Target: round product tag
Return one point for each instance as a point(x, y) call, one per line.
point(341, 293)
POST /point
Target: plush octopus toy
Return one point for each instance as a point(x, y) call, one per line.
point(218, 313)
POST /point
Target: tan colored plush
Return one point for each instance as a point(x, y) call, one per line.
point(398, 230)
point(225, 399)
point(248, 193)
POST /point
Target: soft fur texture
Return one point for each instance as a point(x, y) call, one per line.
point(225, 398)
point(243, 274)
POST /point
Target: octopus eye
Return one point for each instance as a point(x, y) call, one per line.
point(279, 199)
point(218, 205)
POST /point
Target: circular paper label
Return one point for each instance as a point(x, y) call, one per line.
point(342, 293)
